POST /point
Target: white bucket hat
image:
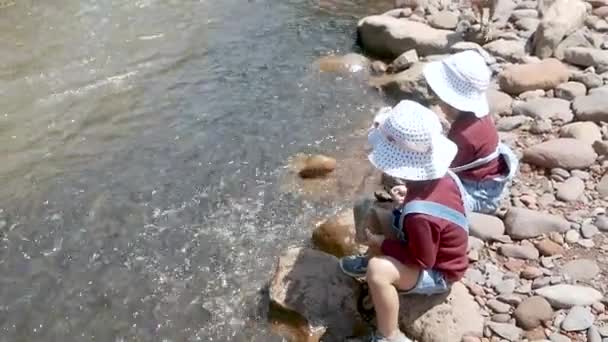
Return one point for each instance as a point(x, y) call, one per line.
point(461, 81)
point(408, 143)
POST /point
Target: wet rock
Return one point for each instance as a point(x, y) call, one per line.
point(389, 37)
point(445, 20)
point(581, 269)
point(523, 223)
point(591, 108)
point(336, 235)
point(509, 50)
point(545, 108)
point(317, 166)
point(565, 153)
point(485, 227)
point(525, 252)
point(586, 57)
point(579, 38)
point(404, 61)
point(593, 335)
point(498, 307)
point(565, 296)
point(588, 231)
point(509, 123)
point(348, 63)
point(585, 131)
point(500, 103)
point(570, 90)
point(560, 19)
point(408, 84)
point(572, 236)
point(578, 318)
point(507, 331)
point(379, 67)
point(310, 283)
point(532, 312)
point(570, 190)
point(547, 247)
point(441, 318)
point(602, 186)
point(545, 75)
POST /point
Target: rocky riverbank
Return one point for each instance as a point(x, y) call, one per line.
point(538, 268)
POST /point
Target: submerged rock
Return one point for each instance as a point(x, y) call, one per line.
point(317, 166)
point(348, 63)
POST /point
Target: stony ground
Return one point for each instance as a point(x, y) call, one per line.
point(539, 267)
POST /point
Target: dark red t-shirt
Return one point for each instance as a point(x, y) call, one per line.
point(432, 243)
point(476, 138)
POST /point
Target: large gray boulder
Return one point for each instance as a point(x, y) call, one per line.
point(587, 57)
point(564, 153)
point(592, 107)
point(521, 223)
point(561, 19)
point(389, 37)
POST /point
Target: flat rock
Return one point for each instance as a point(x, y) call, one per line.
point(559, 338)
point(591, 107)
point(485, 227)
point(564, 296)
point(506, 287)
point(565, 153)
point(532, 312)
point(560, 19)
point(570, 90)
point(446, 20)
point(571, 190)
point(498, 307)
point(585, 131)
point(602, 186)
point(578, 318)
point(546, 247)
point(545, 75)
point(545, 108)
point(509, 50)
point(519, 252)
point(388, 37)
point(587, 57)
point(521, 223)
point(581, 269)
point(507, 331)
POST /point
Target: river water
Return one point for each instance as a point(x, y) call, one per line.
point(143, 145)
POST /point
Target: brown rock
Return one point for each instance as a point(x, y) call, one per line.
point(348, 63)
point(547, 247)
point(500, 103)
point(531, 273)
point(336, 235)
point(523, 223)
point(543, 75)
point(532, 312)
point(317, 166)
point(565, 153)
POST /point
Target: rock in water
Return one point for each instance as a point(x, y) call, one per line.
point(311, 284)
point(565, 153)
point(348, 63)
point(591, 108)
point(486, 227)
point(545, 75)
point(578, 318)
point(587, 57)
point(570, 190)
point(523, 223)
point(507, 331)
point(565, 296)
point(581, 269)
point(389, 37)
point(559, 20)
point(587, 131)
point(336, 235)
point(317, 166)
point(447, 320)
point(532, 312)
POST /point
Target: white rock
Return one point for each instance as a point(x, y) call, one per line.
point(570, 190)
point(565, 296)
point(572, 236)
point(578, 318)
point(559, 20)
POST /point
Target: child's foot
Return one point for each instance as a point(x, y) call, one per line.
point(376, 337)
point(354, 265)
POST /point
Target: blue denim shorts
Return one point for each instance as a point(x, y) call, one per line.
point(430, 282)
point(485, 196)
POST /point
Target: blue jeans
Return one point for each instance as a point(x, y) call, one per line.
point(484, 197)
point(430, 282)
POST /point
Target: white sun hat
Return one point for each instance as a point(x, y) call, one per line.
point(409, 144)
point(461, 81)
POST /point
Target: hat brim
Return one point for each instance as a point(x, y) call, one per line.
point(436, 76)
point(409, 165)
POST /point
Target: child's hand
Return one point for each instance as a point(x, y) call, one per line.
point(374, 241)
point(398, 193)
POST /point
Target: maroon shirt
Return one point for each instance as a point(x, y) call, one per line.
point(432, 243)
point(476, 138)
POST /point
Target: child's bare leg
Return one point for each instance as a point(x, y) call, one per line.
point(384, 276)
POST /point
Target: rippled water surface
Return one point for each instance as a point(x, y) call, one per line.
point(142, 149)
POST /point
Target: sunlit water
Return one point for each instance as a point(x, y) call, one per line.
point(142, 149)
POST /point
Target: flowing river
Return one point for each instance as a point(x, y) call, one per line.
point(143, 146)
